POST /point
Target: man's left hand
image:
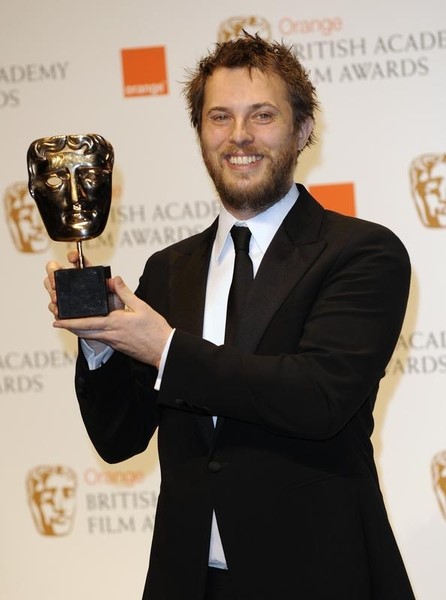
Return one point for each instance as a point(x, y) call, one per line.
point(137, 331)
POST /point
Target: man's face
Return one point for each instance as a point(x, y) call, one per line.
point(55, 504)
point(248, 139)
point(73, 194)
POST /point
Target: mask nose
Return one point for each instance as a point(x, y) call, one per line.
point(73, 190)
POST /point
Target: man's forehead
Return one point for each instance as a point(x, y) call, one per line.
point(226, 82)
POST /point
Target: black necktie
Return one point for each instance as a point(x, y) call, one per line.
point(241, 280)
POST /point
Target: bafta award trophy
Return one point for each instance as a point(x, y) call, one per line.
point(70, 179)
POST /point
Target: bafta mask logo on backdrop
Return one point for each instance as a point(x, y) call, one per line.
point(233, 27)
point(439, 480)
point(144, 71)
point(23, 219)
point(52, 498)
point(428, 185)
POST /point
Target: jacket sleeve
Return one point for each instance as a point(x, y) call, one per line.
point(118, 405)
point(346, 341)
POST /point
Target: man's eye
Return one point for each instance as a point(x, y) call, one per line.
point(220, 118)
point(263, 116)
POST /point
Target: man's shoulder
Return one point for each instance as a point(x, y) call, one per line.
point(351, 225)
point(342, 232)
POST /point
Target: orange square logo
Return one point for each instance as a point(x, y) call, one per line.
point(144, 71)
point(336, 196)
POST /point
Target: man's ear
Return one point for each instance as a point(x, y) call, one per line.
point(305, 130)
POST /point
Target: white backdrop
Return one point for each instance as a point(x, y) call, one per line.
point(116, 69)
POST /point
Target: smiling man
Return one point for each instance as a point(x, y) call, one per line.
point(256, 348)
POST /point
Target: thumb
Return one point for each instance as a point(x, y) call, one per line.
point(118, 286)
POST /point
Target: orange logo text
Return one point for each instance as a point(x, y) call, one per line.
point(144, 71)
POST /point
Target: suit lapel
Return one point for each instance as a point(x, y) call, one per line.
point(187, 281)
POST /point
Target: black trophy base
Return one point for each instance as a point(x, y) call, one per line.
point(82, 292)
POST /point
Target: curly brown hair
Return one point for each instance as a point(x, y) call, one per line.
point(253, 52)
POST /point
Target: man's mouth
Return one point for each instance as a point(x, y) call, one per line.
point(249, 159)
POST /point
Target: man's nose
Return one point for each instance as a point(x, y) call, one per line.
point(241, 133)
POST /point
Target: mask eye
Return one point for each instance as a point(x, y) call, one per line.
point(54, 181)
point(92, 178)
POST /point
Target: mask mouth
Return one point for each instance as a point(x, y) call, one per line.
point(79, 219)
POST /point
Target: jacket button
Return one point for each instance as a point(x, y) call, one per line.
point(214, 466)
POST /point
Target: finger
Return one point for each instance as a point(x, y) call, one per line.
point(47, 285)
point(86, 334)
point(87, 324)
point(52, 307)
point(52, 294)
point(73, 258)
point(51, 267)
point(50, 286)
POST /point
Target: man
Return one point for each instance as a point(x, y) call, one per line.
point(268, 485)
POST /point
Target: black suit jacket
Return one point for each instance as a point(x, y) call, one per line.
point(289, 469)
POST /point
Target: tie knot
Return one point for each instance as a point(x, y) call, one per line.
point(241, 237)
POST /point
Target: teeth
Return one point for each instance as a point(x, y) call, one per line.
point(243, 160)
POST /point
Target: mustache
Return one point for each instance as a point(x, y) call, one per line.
point(238, 150)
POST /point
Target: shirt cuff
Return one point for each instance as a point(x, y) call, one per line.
point(163, 361)
point(94, 360)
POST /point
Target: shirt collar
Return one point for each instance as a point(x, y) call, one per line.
point(263, 226)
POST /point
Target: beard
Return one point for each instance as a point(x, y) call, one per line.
point(241, 195)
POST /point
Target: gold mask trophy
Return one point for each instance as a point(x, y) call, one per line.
point(70, 179)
